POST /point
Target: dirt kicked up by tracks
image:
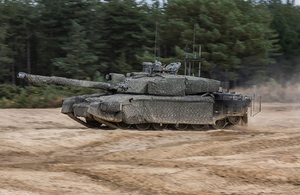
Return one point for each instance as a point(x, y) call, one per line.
point(45, 152)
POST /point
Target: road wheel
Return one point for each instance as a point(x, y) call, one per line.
point(143, 126)
point(220, 124)
point(234, 119)
point(197, 127)
point(180, 127)
point(159, 126)
point(93, 122)
point(123, 125)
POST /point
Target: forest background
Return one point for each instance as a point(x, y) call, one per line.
point(243, 42)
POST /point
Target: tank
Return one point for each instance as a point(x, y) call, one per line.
point(156, 98)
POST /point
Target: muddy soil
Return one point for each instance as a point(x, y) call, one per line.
point(44, 152)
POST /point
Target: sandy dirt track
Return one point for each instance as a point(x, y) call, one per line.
point(44, 152)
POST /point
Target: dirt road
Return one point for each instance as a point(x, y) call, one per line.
point(45, 152)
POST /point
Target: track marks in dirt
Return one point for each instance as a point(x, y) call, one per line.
point(208, 147)
point(254, 145)
point(130, 182)
point(62, 157)
point(126, 180)
point(142, 182)
point(254, 176)
point(20, 185)
point(42, 181)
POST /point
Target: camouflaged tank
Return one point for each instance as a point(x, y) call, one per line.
point(155, 98)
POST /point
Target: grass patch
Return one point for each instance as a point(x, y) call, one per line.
point(38, 96)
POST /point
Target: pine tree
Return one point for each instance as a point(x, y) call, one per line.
point(230, 32)
point(151, 30)
point(5, 60)
point(19, 18)
point(123, 35)
point(54, 24)
point(79, 61)
point(95, 28)
point(286, 23)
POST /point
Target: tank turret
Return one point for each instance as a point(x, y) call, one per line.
point(154, 80)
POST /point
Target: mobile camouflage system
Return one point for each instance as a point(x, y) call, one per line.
point(155, 98)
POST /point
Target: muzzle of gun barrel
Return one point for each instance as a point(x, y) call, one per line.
point(21, 75)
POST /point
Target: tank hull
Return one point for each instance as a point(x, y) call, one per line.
point(130, 109)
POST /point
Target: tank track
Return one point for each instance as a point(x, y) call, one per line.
point(96, 122)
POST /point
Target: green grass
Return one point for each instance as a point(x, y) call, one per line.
point(38, 96)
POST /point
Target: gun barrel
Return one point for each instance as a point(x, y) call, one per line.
point(62, 81)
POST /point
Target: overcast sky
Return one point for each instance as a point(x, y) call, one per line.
point(297, 2)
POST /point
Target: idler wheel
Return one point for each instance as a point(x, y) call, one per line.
point(220, 124)
point(93, 122)
point(159, 126)
point(234, 119)
point(143, 126)
point(180, 127)
point(197, 127)
point(123, 125)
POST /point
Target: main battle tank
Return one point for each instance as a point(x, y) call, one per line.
point(155, 98)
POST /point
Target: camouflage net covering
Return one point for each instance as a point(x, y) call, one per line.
point(139, 86)
point(135, 109)
point(95, 109)
point(64, 81)
point(173, 86)
point(69, 102)
point(196, 85)
point(171, 110)
point(168, 85)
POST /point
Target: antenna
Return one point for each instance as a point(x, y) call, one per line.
point(194, 41)
point(194, 47)
point(199, 68)
point(193, 59)
point(155, 42)
point(187, 50)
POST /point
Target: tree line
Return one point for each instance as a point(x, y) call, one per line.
point(243, 42)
